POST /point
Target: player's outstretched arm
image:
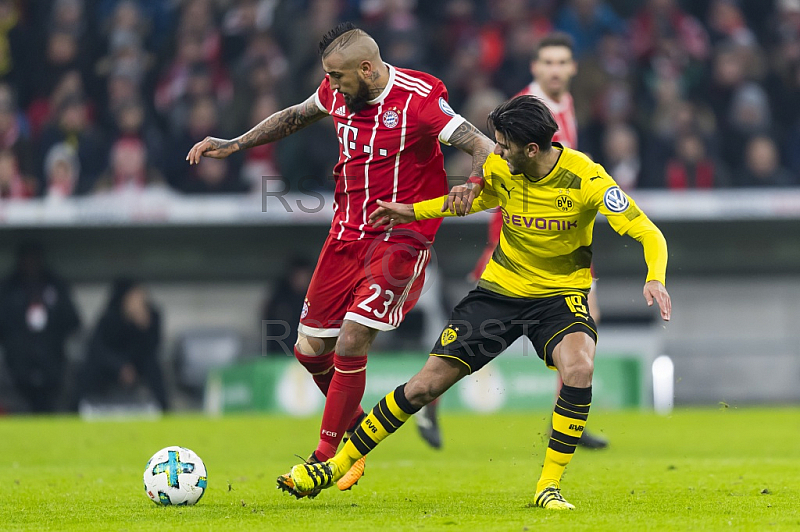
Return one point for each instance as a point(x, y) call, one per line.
point(655, 291)
point(275, 127)
point(655, 256)
point(391, 214)
point(468, 139)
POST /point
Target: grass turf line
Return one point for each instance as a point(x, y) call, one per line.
point(699, 469)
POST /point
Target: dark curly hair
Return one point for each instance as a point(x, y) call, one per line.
point(523, 120)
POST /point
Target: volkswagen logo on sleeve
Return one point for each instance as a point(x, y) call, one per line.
point(615, 200)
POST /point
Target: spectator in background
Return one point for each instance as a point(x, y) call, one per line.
point(131, 122)
point(692, 167)
point(62, 169)
point(126, 56)
point(125, 31)
point(63, 55)
point(122, 87)
point(43, 110)
point(240, 22)
point(621, 155)
point(198, 17)
point(72, 126)
point(588, 21)
point(129, 170)
point(260, 162)
point(661, 20)
point(726, 22)
point(190, 70)
point(219, 177)
point(13, 43)
point(762, 166)
point(749, 115)
point(281, 311)
point(261, 71)
point(608, 62)
point(37, 316)
point(152, 20)
point(123, 349)
point(15, 133)
point(199, 85)
point(13, 185)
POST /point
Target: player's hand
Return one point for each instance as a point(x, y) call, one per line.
point(391, 214)
point(211, 147)
point(459, 200)
point(655, 291)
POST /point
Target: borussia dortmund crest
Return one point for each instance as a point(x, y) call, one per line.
point(449, 336)
point(564, 203)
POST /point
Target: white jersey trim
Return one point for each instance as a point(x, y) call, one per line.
point(397, 157)
point(450, 128)
point(367, 322)
point(319, 103)
point(411, 80)
point(412, 88)
point(396, 315)
point(366, 171)
point(316, 332)
point(343, 175)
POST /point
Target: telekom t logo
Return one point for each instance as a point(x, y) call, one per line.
point(347, 138)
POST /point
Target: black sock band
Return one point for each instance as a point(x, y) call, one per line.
point(402, 402)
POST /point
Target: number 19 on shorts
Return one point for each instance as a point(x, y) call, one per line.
point(575, 304)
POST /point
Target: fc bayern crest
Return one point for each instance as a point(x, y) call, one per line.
point(304, 313)
point(615, 200)
point(391, 119)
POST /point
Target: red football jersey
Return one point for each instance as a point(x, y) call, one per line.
point(389, 151)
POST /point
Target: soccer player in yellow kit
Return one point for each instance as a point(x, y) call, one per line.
point(535, 285)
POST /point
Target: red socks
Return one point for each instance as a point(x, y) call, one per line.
point(341, 396)
point(320, 367)
point(343, 403)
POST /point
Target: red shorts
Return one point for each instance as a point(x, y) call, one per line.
point(371, 282)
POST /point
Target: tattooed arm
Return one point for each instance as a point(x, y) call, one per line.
point(468, 139)
point(275, 127)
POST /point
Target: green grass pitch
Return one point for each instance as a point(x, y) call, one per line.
point(698, 469)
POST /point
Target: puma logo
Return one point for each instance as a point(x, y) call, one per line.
point(595, 177)
point(503, 186)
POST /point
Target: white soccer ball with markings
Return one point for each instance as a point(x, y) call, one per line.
point(175, 476)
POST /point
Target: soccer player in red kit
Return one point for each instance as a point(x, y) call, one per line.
point(552, 67)
point(390, 122)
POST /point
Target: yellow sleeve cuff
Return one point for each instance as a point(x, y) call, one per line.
point(655, 249)
point(432, 208)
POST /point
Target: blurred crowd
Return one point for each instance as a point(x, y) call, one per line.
point(38, 316)
point(108, 96)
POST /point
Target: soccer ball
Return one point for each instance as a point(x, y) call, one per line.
point(175, 475)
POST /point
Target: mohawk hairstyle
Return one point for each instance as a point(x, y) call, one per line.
point(334, 34)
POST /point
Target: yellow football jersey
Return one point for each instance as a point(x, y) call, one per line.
point(545, 244)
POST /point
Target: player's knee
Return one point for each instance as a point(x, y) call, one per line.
point(310, 346)
point(353, 342)
point(578, 369)
point(421, 392)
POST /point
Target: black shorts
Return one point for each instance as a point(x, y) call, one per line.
point(485, 323)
